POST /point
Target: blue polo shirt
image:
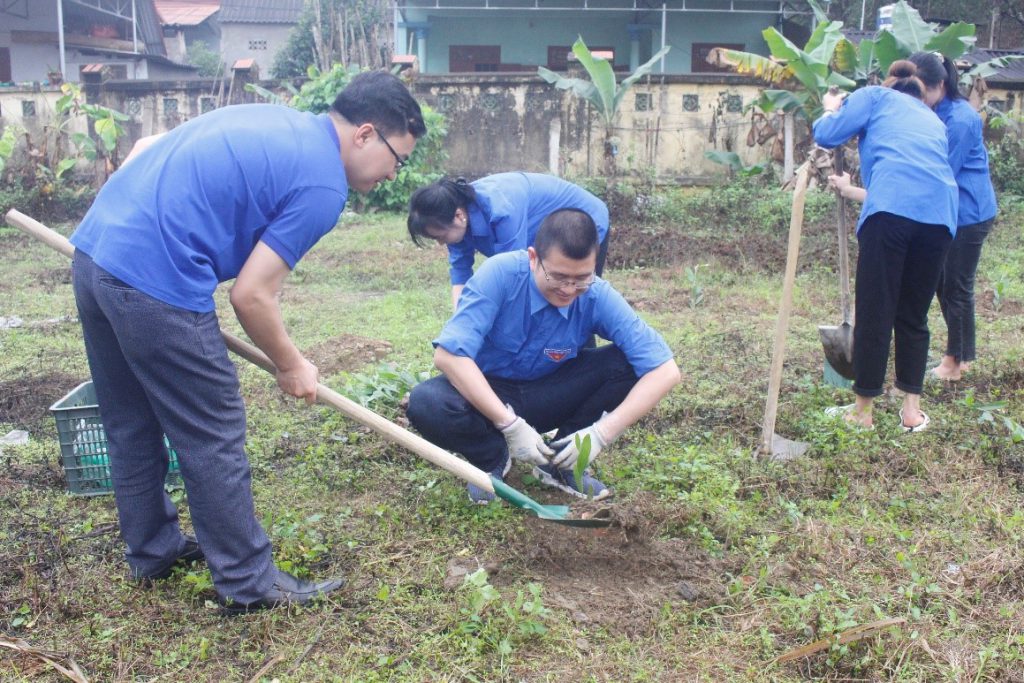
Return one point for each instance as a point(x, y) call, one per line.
point(506, 325)
point(969, 161)
point(903, 158)
point(186, 213)
point(508, 211)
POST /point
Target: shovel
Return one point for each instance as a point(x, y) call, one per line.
point(837, 340)
point(772, 445)
point(390, 431)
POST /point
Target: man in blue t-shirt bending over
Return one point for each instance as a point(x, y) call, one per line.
point(240, 193)
point(514, 363)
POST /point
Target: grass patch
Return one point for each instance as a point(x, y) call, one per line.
point(722, 561)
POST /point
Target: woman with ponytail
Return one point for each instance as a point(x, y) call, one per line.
point(495, 214)
point(969, 161)
point(906, 225)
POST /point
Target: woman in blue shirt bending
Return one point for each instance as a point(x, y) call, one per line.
point(496, 214)
point(906, 226)
point(968, 160)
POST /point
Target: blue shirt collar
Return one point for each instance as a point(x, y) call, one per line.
point(537, 300)
point(325, 119)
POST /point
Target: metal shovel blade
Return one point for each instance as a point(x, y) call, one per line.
point(837, 342)
point(551, 513)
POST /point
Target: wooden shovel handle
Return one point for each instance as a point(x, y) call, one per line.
point(418, 445)
point(389, 430)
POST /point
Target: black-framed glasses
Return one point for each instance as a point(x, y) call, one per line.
point(399, 161)
point(561, 282)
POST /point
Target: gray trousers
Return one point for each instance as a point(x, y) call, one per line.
point(159, 369)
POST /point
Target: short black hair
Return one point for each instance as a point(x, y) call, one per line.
point(571, 230)
point(380, 98)
point(434, 205)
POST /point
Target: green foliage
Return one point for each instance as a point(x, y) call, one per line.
point(425, 165)
point(600, 91)
point(8, 140)
point(492, 625)
point(299, 52)
point(298, 545)
point(582, 460)
point(989, 412)
point(1006, 163)
point(732, 161)
point(382, 388)
point(208, 62)
point(106, 123)
point(318, 93)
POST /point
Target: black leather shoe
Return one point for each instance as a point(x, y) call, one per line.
point(189, 554)
point(287, 590)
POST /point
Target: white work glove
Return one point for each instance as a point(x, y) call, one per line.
point(524, 443)
point(567, 453)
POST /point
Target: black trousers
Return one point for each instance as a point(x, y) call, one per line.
point(898, 267)
point(956, 289)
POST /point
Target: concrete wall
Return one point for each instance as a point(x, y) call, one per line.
point(235, 42)
point(498, 122)
point(517, 122)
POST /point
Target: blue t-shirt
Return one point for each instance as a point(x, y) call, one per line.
point(506, 325)
point(903, 159)
point(508, 211)
point(969, 161)
point(187, 212)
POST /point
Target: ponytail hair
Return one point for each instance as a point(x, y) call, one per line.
point(933, 69)
point(434, 205)
point(903, 78)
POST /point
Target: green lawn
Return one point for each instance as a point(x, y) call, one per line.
point(721, 561)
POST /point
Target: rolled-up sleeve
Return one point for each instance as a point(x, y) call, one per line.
point(832, 130)
point(464, 333)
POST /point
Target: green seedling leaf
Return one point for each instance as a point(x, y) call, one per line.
point(583, 461)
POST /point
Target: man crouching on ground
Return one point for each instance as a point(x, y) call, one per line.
point(514, 365)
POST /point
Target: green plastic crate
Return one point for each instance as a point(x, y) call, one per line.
point(83, 444)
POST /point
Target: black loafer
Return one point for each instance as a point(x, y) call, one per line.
point(287, 590)
point(189, 554)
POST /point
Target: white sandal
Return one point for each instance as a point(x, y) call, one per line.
point(916, 428)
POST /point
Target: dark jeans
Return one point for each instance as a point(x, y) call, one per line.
point(898, 267)
point(161, 369)
point(569, 399)
point(956, 289)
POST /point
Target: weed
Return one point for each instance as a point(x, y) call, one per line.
point(696, 286)
point(491, 624)
point(382, 388)
point(299, 545)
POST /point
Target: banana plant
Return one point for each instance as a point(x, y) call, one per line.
point(600, 91)
point(803, 74)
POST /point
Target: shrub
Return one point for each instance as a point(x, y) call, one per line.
point(1006, 163)
point(206, 60)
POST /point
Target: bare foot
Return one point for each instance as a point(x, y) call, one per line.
point(911, 417)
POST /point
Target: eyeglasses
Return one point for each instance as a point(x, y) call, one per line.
point(399, 161)
point(562, 283)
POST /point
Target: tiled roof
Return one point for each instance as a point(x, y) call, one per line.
point(185, 12)
point(260, 11)
point(1011, 73)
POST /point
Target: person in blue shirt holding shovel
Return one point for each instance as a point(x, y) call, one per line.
point(496, 214)
point(514, 363)
point(968, 160)
point(906, 225)
point(240, 193)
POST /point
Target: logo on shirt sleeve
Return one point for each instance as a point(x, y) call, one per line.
point(557, 354)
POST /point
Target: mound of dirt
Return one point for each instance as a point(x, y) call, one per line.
point(25, 401)
point(619, 576)
point(346, 352)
